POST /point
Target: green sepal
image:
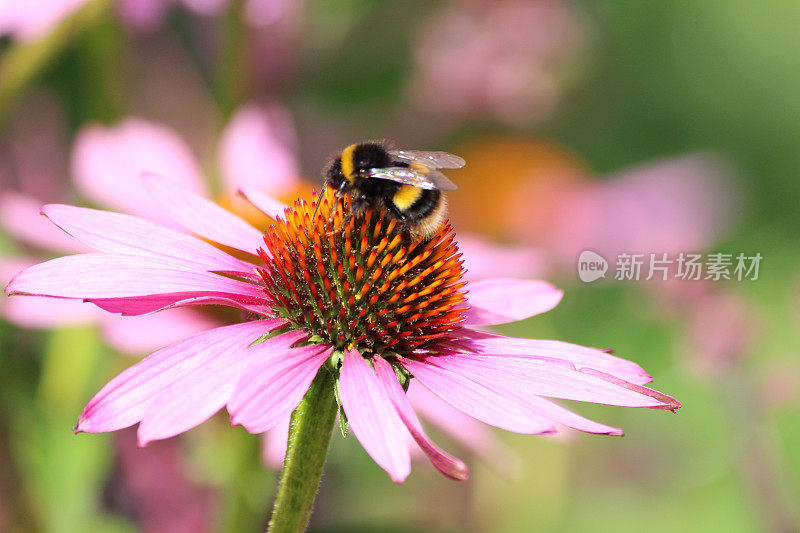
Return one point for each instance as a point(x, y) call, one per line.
point(403, 375)
point(342, 422)
point(334, 363)
point(336, 392)
point(342, 415)
point(268, 335)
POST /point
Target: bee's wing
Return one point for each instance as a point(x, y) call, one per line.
point(405, 175)
point(428, 159)
point(424, 179)
point(441, 181)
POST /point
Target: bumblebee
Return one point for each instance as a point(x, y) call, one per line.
point(405, 183)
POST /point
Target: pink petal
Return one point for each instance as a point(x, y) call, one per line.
point(485, 259)
point(499, 407)
point(258, 150)
point(20, 216)
point(372, 417)
point(143, 334)
point(467, 431)
point(497, 301)
point(554, 378)
point(141, 305)
point(276, 381)
point(564, 416)
point(580, 356)
point(268, 205)
point(125, 234)
point(41, 313)
point(89, 276)
point(445, 463)
point(126, 398)
point(273, 450)
point(202, 217)
point(108, 163)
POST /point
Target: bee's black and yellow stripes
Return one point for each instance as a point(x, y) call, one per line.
point(421, 211)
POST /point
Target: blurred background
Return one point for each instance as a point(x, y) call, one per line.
point(639, 127)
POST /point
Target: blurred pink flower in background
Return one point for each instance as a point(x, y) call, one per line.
point(33, 19)
point(152, 484)
point(107, 164)
point(720, 325)
point(721, 328)
point(255, 150)
point(780, 384)
point(509, 59)
point(147, 15)
point(680, 204)
point(258, 149)
point(539, 194)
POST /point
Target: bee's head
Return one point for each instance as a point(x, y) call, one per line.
point(334, 177)
point(358, 158)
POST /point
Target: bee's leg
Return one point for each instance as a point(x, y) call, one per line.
point(339, 193)
point(358, 204)
point(347, 218)
point(319, 201)
point(394, 211)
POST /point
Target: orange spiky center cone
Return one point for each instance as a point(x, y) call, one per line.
point(362, 281)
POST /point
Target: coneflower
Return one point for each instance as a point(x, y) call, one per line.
point(344, 313)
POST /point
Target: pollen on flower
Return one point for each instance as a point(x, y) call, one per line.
point(361, 281)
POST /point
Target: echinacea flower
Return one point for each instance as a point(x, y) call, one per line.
point(358, 298)
point(256, 154)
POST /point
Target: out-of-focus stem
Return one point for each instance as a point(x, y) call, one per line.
point(231, 78)
point(25, 60)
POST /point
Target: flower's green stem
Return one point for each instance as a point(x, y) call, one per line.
point(309, 436)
